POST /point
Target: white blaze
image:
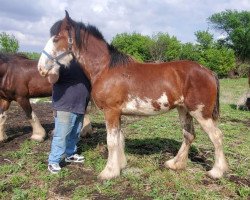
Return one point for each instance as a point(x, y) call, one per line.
point(49, 48)
point(45, 62)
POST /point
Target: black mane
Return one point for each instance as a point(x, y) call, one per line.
point(117, 57)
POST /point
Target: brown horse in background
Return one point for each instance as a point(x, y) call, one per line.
point(122, 86)
point(20, 81)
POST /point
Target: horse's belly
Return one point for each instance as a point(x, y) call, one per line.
point(145, 106)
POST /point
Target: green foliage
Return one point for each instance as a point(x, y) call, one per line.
point(164, 47)
point(133, 44)
point(189, 51)
point(158, 47)
point(8, 43)
point(32, 55)
point(205, 39)
point(19, 194)
point(236, 26)
point(220, 60)
point(209, 53)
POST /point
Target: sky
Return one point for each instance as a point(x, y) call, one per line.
point(30, 21)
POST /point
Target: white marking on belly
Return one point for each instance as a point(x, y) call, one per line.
point(145, 106)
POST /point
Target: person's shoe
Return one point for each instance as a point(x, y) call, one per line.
point(75, 158)
point(54, 168)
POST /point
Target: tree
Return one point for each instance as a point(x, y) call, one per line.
point(189, 51)
point(236, 26)
point(158, 48)
point(133, 44)
point(216, 57)
point(8, 43)
point(209, 53)
point(164, 47)
point(205, 39)
point(220, 60)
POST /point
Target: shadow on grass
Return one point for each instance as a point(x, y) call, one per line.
point(24, 130)
point(148, 146)
point(244, 107)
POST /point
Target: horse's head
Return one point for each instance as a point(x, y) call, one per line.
point(58, 50)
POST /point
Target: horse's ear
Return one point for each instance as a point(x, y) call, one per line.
point(67, 15)
point(66, 20)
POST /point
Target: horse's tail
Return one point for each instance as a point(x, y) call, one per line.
point(216, 111)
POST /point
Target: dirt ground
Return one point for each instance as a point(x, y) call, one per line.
point(19, 129)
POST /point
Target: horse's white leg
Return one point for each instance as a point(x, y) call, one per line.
point(3, 135)
point(122, 157)
point(180, 160)
point(115, 142)
point(4, 106)
point(216, 136)
point(38, 133)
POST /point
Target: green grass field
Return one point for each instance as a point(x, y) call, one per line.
point(149, 143)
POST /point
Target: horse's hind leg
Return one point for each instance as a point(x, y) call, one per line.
point(38, 133)
point(216, 136)
point(4, 105)
point(180, 160)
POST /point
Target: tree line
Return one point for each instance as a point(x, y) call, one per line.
point(229, 55)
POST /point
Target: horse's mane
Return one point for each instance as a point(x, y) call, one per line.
point(6, 57)
point(116, 57)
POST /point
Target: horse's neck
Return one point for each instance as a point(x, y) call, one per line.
point(94, 60)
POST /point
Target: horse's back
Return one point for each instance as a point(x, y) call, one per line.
point(19, 77)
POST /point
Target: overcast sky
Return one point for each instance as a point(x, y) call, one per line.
point(29, 21)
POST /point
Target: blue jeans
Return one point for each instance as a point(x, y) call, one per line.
point(66, 135)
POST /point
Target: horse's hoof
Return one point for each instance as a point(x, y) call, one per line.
point(215, 173)
point(107, 174)
point(37, 138)
point(172, 164)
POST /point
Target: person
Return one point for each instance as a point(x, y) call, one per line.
point(70, 97)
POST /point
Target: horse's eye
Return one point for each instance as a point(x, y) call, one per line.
point(55, 40)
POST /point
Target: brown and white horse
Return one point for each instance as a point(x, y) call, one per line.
point(122, 86)
point(20, 81)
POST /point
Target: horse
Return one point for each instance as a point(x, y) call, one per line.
point(20, 81)
point(123, 86)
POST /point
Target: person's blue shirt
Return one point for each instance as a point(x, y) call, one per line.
point(71, 93)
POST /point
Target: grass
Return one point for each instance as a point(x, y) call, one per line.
point(149, 143)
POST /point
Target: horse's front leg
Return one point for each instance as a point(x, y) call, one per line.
point(115, 141)
point(4, 106)
point(38, 133)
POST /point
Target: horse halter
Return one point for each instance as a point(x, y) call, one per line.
point(57, 58)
